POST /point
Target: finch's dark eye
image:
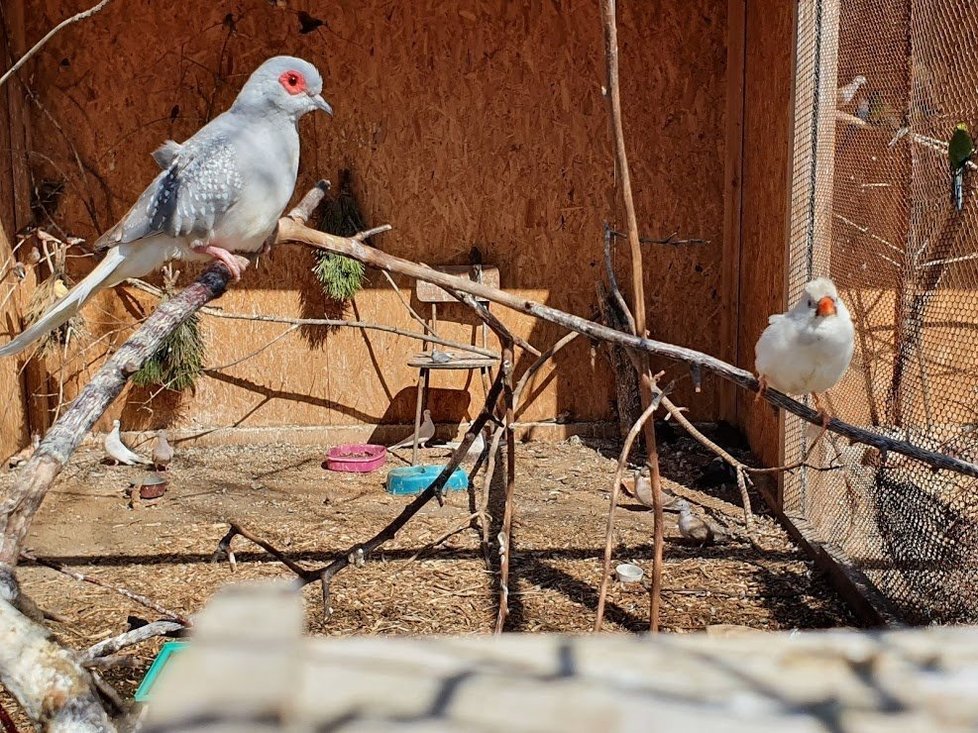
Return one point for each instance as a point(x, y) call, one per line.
point(811, 303)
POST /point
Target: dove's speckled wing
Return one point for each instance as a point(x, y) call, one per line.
point(202, 181)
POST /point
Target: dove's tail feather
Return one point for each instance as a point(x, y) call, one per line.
point(106, 274)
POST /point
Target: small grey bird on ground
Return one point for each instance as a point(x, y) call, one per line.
point(117, 451)
point(162, 451)
point(693, 527)
point(221, 191)
point(425, 433)
point(643, 492)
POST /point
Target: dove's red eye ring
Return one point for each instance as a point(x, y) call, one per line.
point(293, 82)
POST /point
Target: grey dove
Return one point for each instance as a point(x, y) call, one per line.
point(426, 432)
point(221, 191)
point(118, 451)
point(643, 492)
point(162, 451)
point(693, 527)
point(475, 450)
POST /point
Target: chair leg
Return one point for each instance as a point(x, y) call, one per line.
point(419, 406)
point(485, 380)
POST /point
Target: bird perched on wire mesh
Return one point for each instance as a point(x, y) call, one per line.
point(848, 91)
point(960, 150)
point(807, 349)
point(119, 452)
point(874, 110)
point(220, 192)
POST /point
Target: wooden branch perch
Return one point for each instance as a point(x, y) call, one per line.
point(290, 231)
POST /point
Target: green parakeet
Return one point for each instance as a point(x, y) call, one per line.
point(960, 149)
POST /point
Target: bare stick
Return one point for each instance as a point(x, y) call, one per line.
point(613, 504)
point(140, 599)
point(130, 638)
point(673, 239)
point(7, 722)
point(224, 550)
point(330, 322)
point(541, 360)
point(739, 468)
point(397, 291)
point(506, 534)
point(487, 484)
point(49, 35)
point(288, 231)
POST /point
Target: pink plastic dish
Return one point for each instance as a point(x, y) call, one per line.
point(356, 457)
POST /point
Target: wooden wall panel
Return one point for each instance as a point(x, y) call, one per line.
point(471, 123)
point(13, 214)
point(767, 156)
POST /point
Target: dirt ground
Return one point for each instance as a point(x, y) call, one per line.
point(283, 493)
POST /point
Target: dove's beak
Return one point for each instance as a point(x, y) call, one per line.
point(826, 306)
point(322, 104)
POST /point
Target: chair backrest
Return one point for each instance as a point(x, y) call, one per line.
point(430, 293)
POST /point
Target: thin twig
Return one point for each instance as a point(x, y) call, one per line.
point(7, 722)
point(49, 35)
point(741, 377)
point(540, 361)
point(739, 468)
point(672, 239)
point(413, 313)
point(132, 596)
point(329, 322)
point(130, 638)
point(613, 504)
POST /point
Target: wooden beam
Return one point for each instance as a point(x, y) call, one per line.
point(732, 202)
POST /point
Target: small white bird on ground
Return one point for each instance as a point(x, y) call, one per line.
point(693, 527)
point(848, 92)
point(475, 450)
point(118, 451)
point(425, 433)
point(807, 349)
point(162, 451)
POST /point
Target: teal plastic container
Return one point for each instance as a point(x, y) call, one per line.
point(168, 650)
point(415, 479)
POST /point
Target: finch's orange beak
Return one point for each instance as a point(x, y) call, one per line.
point(826, 306)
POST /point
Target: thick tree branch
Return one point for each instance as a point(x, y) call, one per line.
point(291, 232)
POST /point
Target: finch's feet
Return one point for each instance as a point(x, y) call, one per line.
point(763, 388)
point(235, 263)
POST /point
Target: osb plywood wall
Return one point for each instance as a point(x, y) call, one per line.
point(475, 123)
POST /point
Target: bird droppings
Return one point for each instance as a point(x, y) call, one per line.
point(283, 494)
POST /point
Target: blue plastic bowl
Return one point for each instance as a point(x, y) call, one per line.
point(168, 650)
point(415, 479)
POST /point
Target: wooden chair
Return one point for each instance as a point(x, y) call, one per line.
point(423, 362)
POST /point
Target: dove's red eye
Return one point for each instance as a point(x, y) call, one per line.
point(293, 81)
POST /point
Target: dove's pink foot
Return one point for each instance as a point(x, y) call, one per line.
point(235, 263)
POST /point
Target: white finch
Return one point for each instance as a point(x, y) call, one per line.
point(807, 349)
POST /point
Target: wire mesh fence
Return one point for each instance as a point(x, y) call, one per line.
point(880, 86)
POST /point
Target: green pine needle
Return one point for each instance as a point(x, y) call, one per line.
point(178, 362)
point(340, 277)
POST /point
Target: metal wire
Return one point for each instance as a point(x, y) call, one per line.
point(872, 208)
